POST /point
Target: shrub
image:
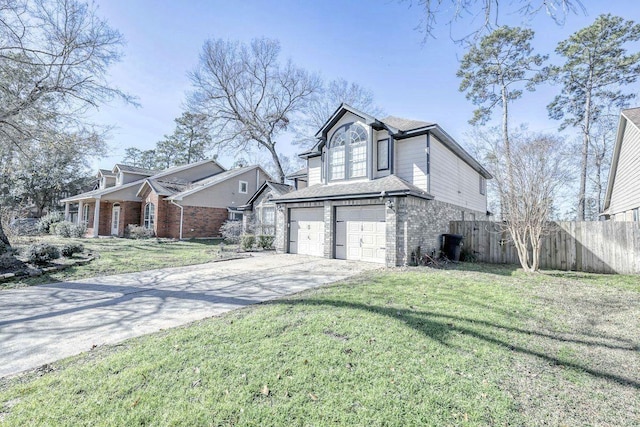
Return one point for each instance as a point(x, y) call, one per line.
point(24, 226)
point(231, 230)
point(8, 261)
point(138, 232)
point(68, 250)
point(265, 241)
point(42, 253)
point(68, 229)
point(44, 225)
point(247, 241)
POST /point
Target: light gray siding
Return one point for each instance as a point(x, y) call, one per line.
point(453, 180)
point(226, 194)
point(194, 173)
point(411, 161)
point(625, 194)
point(314, 165)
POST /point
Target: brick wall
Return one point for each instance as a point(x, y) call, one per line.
point(420, 222)
point(198, 222)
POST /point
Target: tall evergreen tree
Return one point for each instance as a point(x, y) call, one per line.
point(596, 74)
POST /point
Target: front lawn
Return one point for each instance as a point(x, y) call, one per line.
point(114, 256)
point(401, 347)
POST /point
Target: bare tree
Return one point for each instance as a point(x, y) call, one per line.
point(249, 97)
point(485, 14)
point(326, 101)
point(540, 170)
point(54, 57)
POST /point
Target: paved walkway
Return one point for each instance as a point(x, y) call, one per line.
point(41, 324)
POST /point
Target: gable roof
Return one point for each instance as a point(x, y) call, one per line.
point(302, 173)
point(276, 187)
point(214, 180)
point(399, 128)
point(631, 115)
point(391, 185)
point(97, 194)
point(106, 172)
point(134, 169)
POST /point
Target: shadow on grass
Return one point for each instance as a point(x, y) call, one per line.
point(439, 326)
point(480, 267)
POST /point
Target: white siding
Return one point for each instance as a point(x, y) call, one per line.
point(625, 193)
point(411, 161)
point(453, 180)
point(314, 170)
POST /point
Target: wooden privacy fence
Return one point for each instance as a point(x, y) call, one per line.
point(595, 247)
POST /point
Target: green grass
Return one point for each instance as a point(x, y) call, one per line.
point(419, 347)
point(115, 256)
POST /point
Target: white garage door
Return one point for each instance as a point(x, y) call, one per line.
point(306, 231)
point(361, 233)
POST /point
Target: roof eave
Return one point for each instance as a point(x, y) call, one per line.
point(367, 195)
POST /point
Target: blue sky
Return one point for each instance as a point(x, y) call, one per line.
point(374, 43)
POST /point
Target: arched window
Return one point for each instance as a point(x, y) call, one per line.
point(348, 152)
point(149, 215)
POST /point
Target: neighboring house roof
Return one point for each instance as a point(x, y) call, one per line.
point(276, 187)
point(106, 172)
point(390, 185)
point(134, 169)
point(97, 194)
point(214, 180)
point(630, 115)
point(302, 173)
point(162, 187)
point(399, 128)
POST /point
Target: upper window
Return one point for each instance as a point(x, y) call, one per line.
point(243, 188)
point(383, 154)
point(348, 152)
point(483, 185)
point(149, 216)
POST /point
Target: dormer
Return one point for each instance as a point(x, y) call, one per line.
point(106, 179)
point(124, 174)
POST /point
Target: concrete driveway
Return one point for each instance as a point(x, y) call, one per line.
point(41, 324)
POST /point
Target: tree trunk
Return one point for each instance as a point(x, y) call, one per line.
point(586, 128)
point(276, 163)
point(4, 240)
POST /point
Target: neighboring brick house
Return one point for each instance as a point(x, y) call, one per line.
point(622, 200)
point(180, 202)
point(378, 189)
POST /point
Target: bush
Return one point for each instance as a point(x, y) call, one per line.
point(42, 253)
point(68, 229)
point(68, 250)
point(24, 226)
point(44, 225)
point(8, 261)
point(231, 230)
point(265, 241)
point(247, 241)
point(138, 232)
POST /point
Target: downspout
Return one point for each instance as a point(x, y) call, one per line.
point(181, 215)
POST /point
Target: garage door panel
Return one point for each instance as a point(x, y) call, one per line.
point(306, 231)
point(364, 233)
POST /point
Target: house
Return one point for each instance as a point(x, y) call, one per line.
point(379, 189)
point(180, 202)
point(259, 214)
point(622, 199)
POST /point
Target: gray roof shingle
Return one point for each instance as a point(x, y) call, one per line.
point(390, 185)
point(633, 115)
point(136, 169)
point(404, 125)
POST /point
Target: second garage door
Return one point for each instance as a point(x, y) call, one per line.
point(306, 231)
point(361, 233)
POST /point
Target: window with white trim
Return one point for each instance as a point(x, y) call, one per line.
point(85, 214)
point(348, 152)
point(483, 185)
point(383, 154)
point(243, 187)
point(149, 216)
